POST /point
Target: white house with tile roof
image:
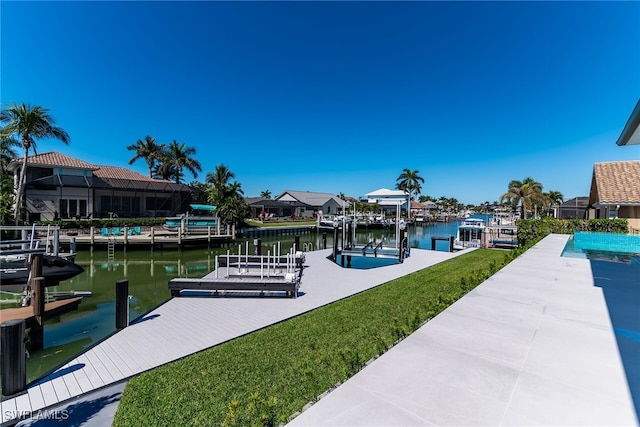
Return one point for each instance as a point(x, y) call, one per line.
point(62, 186)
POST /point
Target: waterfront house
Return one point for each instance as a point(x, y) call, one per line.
point(389, 199)
point(615, 191)
point(615, 186)
point(575, 208)
point(262, 208)
point(61, 186)
point(307, 203)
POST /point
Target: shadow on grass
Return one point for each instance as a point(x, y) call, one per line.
point(620, 283)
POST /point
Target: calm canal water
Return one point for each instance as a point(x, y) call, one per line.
point(148, 273)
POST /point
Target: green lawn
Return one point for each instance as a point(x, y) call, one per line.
point(265, 377)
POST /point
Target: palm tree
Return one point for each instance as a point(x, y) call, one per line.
point(218, 181)
point(148, 150)
point(28, 123)
point(410, 181)
point(179, 157)
point(527, 193)
point(8, 146)
point(266, 194)
point(164, 168)
point(555, 197)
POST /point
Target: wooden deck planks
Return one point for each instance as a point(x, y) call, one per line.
point(10, 407)
point(60, 389)
point(22, 403)
point(82, 378)
point(50, 309)
point(72, 384)
point(35, 398)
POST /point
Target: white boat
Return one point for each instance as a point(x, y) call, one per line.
point(193, 222)
point(469, 233)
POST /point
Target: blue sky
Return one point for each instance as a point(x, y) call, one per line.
point(337, 96)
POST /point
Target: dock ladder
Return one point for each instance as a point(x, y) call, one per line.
point(111, 248)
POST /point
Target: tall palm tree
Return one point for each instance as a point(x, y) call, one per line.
point(410, 181)
point(218, 181)
point(179, 156)
point(148, 150)
point(527, 193)
point(29, 123)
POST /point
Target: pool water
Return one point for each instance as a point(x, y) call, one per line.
point(612, 247)
point(366, 262)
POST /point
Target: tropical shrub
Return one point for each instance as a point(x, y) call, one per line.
point(534, 229)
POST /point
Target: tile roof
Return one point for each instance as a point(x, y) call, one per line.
point(311, 198)
point(57, 159)
point(106, 176)
point(616, 183)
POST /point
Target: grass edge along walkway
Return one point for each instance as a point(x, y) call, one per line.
point(263, 378)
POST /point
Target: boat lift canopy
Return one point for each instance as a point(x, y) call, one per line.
point(203, 207)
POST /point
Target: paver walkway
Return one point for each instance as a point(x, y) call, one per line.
point(547, 341)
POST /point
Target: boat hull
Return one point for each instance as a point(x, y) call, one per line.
point(55, 269)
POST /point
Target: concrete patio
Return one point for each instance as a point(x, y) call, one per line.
point(548, 340)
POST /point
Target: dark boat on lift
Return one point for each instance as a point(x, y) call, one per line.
point(14, 273)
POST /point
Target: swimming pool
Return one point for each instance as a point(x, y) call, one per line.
point(604, 246)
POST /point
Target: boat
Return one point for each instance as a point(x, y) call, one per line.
point(15, 271)
point(470, 232)
point(192, 222)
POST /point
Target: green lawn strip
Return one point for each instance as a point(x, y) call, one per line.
point(265, 377)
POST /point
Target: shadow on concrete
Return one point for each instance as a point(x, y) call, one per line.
point(620, 283)
point(145, 318)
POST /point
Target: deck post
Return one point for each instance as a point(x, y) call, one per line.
point(450, 243)
point(258, 245)
point(335, 244)
point(56, 242)
point(122, 304)
point(92, 233)
point(296, 243)
point(36, 331)
point(14, 361)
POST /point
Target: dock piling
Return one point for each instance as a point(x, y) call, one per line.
point(122, 304)
point(13, 356)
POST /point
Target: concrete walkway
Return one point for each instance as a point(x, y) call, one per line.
point(547, 341)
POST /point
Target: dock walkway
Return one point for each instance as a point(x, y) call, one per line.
point(51, 309)
point(183, 326)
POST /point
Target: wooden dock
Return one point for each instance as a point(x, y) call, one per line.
point(159, 239)
point(174, 330)
point(51, 309)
